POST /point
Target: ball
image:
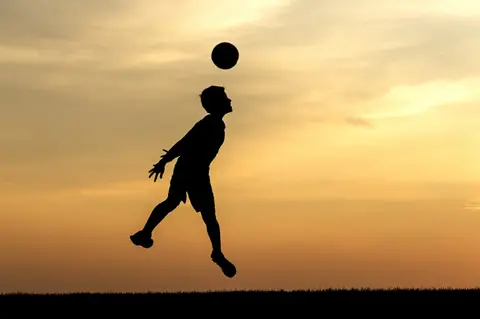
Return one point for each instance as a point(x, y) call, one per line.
point(225, 55)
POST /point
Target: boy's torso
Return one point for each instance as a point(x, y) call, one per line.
point(202, 151)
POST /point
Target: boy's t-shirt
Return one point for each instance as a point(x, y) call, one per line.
point(199, 147)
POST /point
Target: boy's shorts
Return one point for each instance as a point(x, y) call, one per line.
point(198, 187)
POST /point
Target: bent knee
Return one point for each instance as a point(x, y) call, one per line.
point(173, 201)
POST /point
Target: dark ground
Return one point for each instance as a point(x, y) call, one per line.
point(326, 303)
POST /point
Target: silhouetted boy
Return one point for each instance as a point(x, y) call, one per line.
point(196, 151)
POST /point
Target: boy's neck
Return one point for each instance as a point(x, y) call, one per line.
point(217, 116)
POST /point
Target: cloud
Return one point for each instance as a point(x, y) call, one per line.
point(357, 121)
point(91, 82)
point(403, 101)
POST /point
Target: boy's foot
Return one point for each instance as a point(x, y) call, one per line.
point(227, 267)
point(142, 239)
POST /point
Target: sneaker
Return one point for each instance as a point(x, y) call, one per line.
point(142, 239)
point(227, 267)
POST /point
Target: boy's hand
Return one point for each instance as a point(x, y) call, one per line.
point(158, 169)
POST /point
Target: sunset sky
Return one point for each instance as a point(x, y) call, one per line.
point(352, 157)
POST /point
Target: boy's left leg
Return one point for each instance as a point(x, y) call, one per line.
point(213, 230)
point(202, 199)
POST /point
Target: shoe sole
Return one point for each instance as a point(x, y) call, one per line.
point(227, 265)
point(141, 244)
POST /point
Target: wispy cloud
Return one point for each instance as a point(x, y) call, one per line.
point(357, 121)
point(403, 101)
point(90, 82)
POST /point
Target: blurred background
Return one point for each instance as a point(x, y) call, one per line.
point(351, 158)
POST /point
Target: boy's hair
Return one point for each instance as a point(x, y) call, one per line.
point(209, 97)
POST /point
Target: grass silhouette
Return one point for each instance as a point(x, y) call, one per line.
point(233, 303)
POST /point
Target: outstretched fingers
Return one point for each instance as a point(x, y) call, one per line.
point(155, 170)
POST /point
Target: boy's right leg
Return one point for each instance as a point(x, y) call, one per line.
point(159, 213)
point(176, 194)
point(144, 237)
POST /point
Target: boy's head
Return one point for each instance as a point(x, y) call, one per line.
point(215, 100)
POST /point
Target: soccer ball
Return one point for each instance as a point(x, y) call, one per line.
point(225, 55)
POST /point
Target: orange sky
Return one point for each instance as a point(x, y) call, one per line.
point(350, 160)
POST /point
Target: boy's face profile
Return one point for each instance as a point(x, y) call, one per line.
point(223, 104)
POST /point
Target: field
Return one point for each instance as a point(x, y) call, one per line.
point(252, 303)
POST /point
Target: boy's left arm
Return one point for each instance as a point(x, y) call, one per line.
point(185, 143)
